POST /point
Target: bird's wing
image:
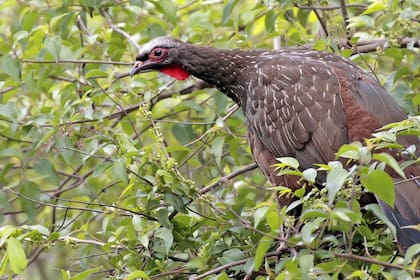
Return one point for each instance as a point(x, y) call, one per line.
point(295, 109)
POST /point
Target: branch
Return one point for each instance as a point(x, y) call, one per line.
point(327, 8)
point(218, 269)
point(229, 265)
point(375, 261)
point(346, 18)
point(78, 61)
point(8, 138)
point(228, 177)
point(323, 26)
point(367, 46)
point(67, 239)
point(6, 89)
point(118, 30)
point(196, 86)
point(129, 212)
point(414, 178)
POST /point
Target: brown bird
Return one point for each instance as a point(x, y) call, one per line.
point(297, 102)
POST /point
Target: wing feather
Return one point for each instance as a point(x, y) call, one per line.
point(296, 111)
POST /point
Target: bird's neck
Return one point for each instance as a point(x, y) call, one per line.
point(221, 68)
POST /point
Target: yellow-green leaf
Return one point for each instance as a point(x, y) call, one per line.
point(137, 275)
point(16, 255)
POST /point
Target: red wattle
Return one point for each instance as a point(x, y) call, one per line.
point(175, 71)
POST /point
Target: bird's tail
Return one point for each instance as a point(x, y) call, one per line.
point(406, 212)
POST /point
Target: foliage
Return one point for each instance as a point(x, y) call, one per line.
point(107, 177)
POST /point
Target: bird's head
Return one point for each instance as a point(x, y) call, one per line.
point(160, 54)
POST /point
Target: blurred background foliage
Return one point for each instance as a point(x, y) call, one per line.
point(107, 177)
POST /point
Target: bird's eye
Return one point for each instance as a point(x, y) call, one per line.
point(158, 54)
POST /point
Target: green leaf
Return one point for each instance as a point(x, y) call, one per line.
point(389, 160)
point(412, 252)
point(120, 170)
point(168, 9)
point(11, 111)
point(11, 66)
point(335, 180)
point(101, 168)
point(309, 175)
point(381, 215)
point(288, 161)
point(137, 275)
point(53, 46)
point(3, 264)
point(16, 255)
point(6, 231)
point(274, 220)
point(232, 255)
point(306, 263)
point(375, 7)
point(220, 102)
point(309, 228)
point(270, 20)
point(320, 45)
point(163, 217)
point(259, 215)
point(22, 34)
point(217, 148)
point(65, 275)
point(30, 190)
point(11, 152)
point(46, 169)
point(95, 73)
point(262, 248)
point(349, 151)
point(228, 10)
point(85, 274)
point(183, 133)
point(381, 184)
point(166, 236)
point(65, 147)
point(184, 105)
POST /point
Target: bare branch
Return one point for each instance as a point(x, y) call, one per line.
point(228, 177)
point(218, 269)
point(118, 30)
point(322, 23)
point(6, 89)
point(346, 18)
point(375, 261)
point(78, 61)
point(327, 8)
point(128, 212)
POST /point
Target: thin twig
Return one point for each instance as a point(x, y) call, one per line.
point(229, 265)
point(119, 30)
point(228, 177)
point(218, 269)
point(346, 19)
point(6, 89)
point(375, 261)
point(407, 180)
point(129, 212)
point(327, 8)
point(323, 25)
point(78, 61)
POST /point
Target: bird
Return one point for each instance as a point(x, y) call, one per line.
point(298, 103)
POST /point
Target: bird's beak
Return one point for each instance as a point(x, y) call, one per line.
point(136, 68)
